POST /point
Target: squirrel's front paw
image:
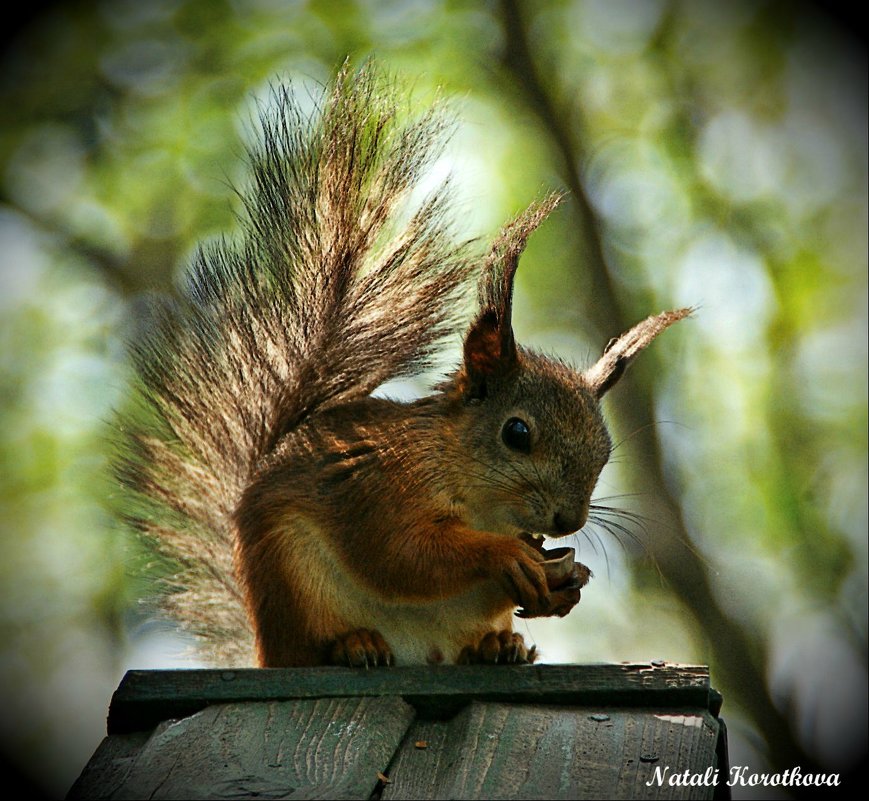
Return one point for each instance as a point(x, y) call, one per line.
point(559, 603)
point(520, 573)
point(563, 596)
point(498, 648)
point(361, 648)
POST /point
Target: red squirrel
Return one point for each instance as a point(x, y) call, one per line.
point(333, 526)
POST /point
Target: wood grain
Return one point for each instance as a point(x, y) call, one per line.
point(109, 766)
point(144, 698)
point(524, 732)
point(501, 751)
point(326, 748)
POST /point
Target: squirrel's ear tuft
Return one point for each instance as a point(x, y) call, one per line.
point(490, 351)
point(620, 352)
point(489, 345)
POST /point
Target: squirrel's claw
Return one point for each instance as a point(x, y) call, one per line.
point(498, 648)
point(361, 648)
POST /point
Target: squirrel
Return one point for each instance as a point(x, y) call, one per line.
point(313, 522)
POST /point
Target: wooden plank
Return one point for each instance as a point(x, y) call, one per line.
point(108, 767)
point(504, 751)
point(668, 745)
point(325, 748)
point(146, 697)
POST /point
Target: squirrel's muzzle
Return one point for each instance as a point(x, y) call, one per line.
point(568, 521)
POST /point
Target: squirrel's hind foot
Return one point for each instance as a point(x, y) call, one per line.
point(499, 648)
point(361, 648)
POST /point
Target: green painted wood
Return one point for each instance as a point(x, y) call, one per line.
point(548, 731)
point(144, 698)
point(109, 766)
point(324, 748)
point(537, 752)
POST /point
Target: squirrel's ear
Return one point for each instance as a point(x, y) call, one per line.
point(489, 346)
point(489, 351)
point(620, 352)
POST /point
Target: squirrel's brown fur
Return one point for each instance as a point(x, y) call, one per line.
point(351, 528)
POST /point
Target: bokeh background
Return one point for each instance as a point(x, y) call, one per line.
point(715, 156)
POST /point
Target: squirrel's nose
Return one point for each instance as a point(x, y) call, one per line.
point(566, 522)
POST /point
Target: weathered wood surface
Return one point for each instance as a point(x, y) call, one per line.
point(109, 766)
point(498, 751)
point(144, 698)
point(549, 731)
point(326, 748)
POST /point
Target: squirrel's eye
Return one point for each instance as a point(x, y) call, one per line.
point(517, 435)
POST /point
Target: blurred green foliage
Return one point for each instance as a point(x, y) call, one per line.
point(716, 153)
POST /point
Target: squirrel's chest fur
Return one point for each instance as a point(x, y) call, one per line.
point(419, 631)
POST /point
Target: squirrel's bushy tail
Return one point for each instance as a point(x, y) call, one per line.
point(331, 290)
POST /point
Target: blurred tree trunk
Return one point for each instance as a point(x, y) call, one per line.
point(739, 658)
